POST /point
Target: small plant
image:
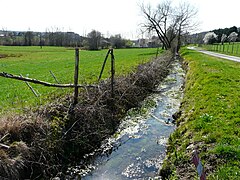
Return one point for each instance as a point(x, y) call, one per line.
point(201, 122)
point(206, 118)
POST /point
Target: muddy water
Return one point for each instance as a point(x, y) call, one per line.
point(137, 150)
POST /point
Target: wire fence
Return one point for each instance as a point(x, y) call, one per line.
point(76, 86)
point(226, 48)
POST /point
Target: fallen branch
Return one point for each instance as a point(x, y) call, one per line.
point(4, 146)
point(4, 136)
point(35, 81)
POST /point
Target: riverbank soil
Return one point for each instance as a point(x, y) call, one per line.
point(209, 122)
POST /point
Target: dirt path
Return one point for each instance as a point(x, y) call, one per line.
point(224, 56)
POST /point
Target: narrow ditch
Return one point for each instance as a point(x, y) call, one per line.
point(137, 149)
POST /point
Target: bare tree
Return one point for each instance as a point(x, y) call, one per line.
point(28, 38)
point(94, 38)
point(117, 41)
point(156, 20)
point(184, 20)
point(169, 22)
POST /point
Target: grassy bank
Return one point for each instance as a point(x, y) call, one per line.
point(210, 120)
point(36, 63)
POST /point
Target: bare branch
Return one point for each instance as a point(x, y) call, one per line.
point(35, 81)
point(157, 20)
point(4, 146)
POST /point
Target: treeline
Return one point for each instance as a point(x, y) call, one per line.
point(30, 38)
point(227, 31)
point(93, 41)
point(198, 37)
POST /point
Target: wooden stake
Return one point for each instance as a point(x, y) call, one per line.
point(76, 76)
point(112, 73)
point(104, 63)
point(157, 52)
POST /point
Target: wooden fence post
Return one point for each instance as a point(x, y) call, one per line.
point(75, 101)
point(112, 73)
point(112, 88)
point(157, 52)
point(104, 63)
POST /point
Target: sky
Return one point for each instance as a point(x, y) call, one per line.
point(110, 17)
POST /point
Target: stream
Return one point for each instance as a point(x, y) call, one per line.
point(138, 148)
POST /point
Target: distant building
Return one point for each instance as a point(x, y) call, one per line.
point(146, 43)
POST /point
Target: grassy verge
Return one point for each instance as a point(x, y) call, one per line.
point(210, 120)
point(36, 63)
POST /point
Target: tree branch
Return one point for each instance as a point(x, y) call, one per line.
point(4, 146)
point(35, 81)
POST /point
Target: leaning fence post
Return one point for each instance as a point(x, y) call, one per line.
point(75, 101)
point(104, 63)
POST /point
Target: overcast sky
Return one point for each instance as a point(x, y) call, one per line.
point(107, 16)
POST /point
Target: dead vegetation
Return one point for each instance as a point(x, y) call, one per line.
point(39, 144)
point(9, 55)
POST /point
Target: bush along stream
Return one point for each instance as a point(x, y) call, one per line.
point(43, 142)
point(137, 149)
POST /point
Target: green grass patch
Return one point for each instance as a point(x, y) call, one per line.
point(211, 116)
point(34, 62)
point(226, 172)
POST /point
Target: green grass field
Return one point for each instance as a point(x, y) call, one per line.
point(36, 63)
point(211, 116)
